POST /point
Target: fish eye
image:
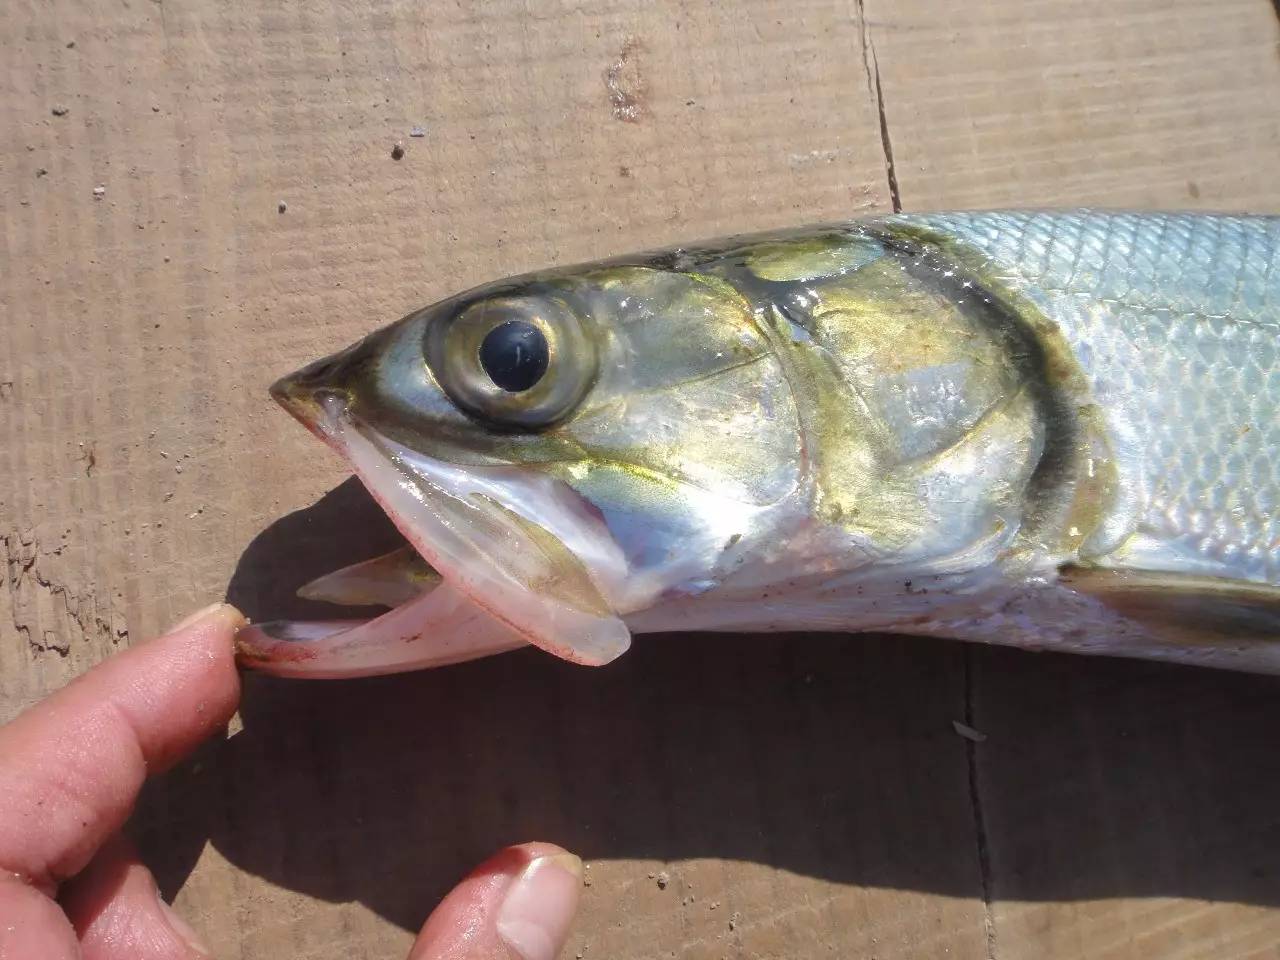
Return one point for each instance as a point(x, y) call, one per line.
point(519, 362)
point(514, 355)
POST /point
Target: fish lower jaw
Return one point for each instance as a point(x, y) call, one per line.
point(438, 627)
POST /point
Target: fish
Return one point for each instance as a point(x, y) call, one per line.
point(1055, 430)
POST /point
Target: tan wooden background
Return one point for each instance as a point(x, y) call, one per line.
point(807, 795)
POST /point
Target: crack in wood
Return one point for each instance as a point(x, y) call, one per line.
point(871, 64)
point(979, 815)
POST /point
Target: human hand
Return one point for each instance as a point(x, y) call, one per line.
point(72, 888)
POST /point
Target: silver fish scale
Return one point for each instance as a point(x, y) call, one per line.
point(1175, 320)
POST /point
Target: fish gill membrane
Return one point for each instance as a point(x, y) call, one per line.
point(1050, 430)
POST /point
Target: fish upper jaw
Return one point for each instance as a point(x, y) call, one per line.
point(300, 396)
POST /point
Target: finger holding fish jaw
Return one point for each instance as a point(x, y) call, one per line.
point(73, 888)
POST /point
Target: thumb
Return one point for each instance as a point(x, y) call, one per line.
point(517, 905)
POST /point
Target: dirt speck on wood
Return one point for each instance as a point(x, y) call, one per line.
point(968, 732)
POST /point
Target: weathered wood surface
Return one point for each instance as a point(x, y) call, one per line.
point(807, 795)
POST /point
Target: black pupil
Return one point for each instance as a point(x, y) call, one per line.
point(514, 355)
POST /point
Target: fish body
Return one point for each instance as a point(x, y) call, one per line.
point(1046, 429)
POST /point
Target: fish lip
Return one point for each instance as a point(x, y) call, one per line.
point(298, 400)
point(284, 392)
point(305, 392)
point(303, 396)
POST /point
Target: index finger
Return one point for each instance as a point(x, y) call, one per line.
point(72, 765)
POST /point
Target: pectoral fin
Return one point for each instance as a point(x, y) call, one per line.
point(1187, 610)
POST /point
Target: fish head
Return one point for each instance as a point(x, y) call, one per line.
point(566, 448)
point(738, 434)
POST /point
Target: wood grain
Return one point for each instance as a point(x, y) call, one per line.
point(808, 796)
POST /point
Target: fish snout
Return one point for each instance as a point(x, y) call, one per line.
point(299, 399)
point(311, 393)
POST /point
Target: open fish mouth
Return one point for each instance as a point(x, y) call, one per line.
point(505, 557)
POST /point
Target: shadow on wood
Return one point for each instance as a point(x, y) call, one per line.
point(825, 755)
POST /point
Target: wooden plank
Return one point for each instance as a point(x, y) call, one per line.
point(813, 787)
point(1137, 103)
point(1130, 809)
